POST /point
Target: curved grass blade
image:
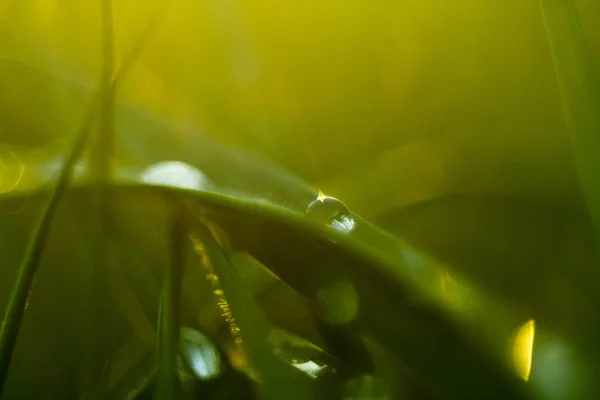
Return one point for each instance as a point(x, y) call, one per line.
point(397, 306)
point(278, 381)
point(22, 290)
point(168, 321)
point(272, 234)
point(579, 86)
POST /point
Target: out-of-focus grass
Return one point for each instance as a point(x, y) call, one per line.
point(384, 74)
point(359, 99)
point(578, 78)
point(579, 81)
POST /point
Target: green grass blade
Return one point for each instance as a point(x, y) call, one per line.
point(579, 87)
point(168, 322)
point(251, 325)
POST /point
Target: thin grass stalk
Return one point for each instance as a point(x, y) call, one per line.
point(579, 86)
point(100, 157)
point(21, 293)
point(168, 321)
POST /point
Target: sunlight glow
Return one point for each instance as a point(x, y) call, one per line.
point(523, 349)
point(321, 196)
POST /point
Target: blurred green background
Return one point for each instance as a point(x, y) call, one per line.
point(380, 103)
point(440, 121)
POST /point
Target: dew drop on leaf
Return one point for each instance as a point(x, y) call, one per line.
point(331, 211)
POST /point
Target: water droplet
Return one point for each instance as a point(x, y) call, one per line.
point(331, 211)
